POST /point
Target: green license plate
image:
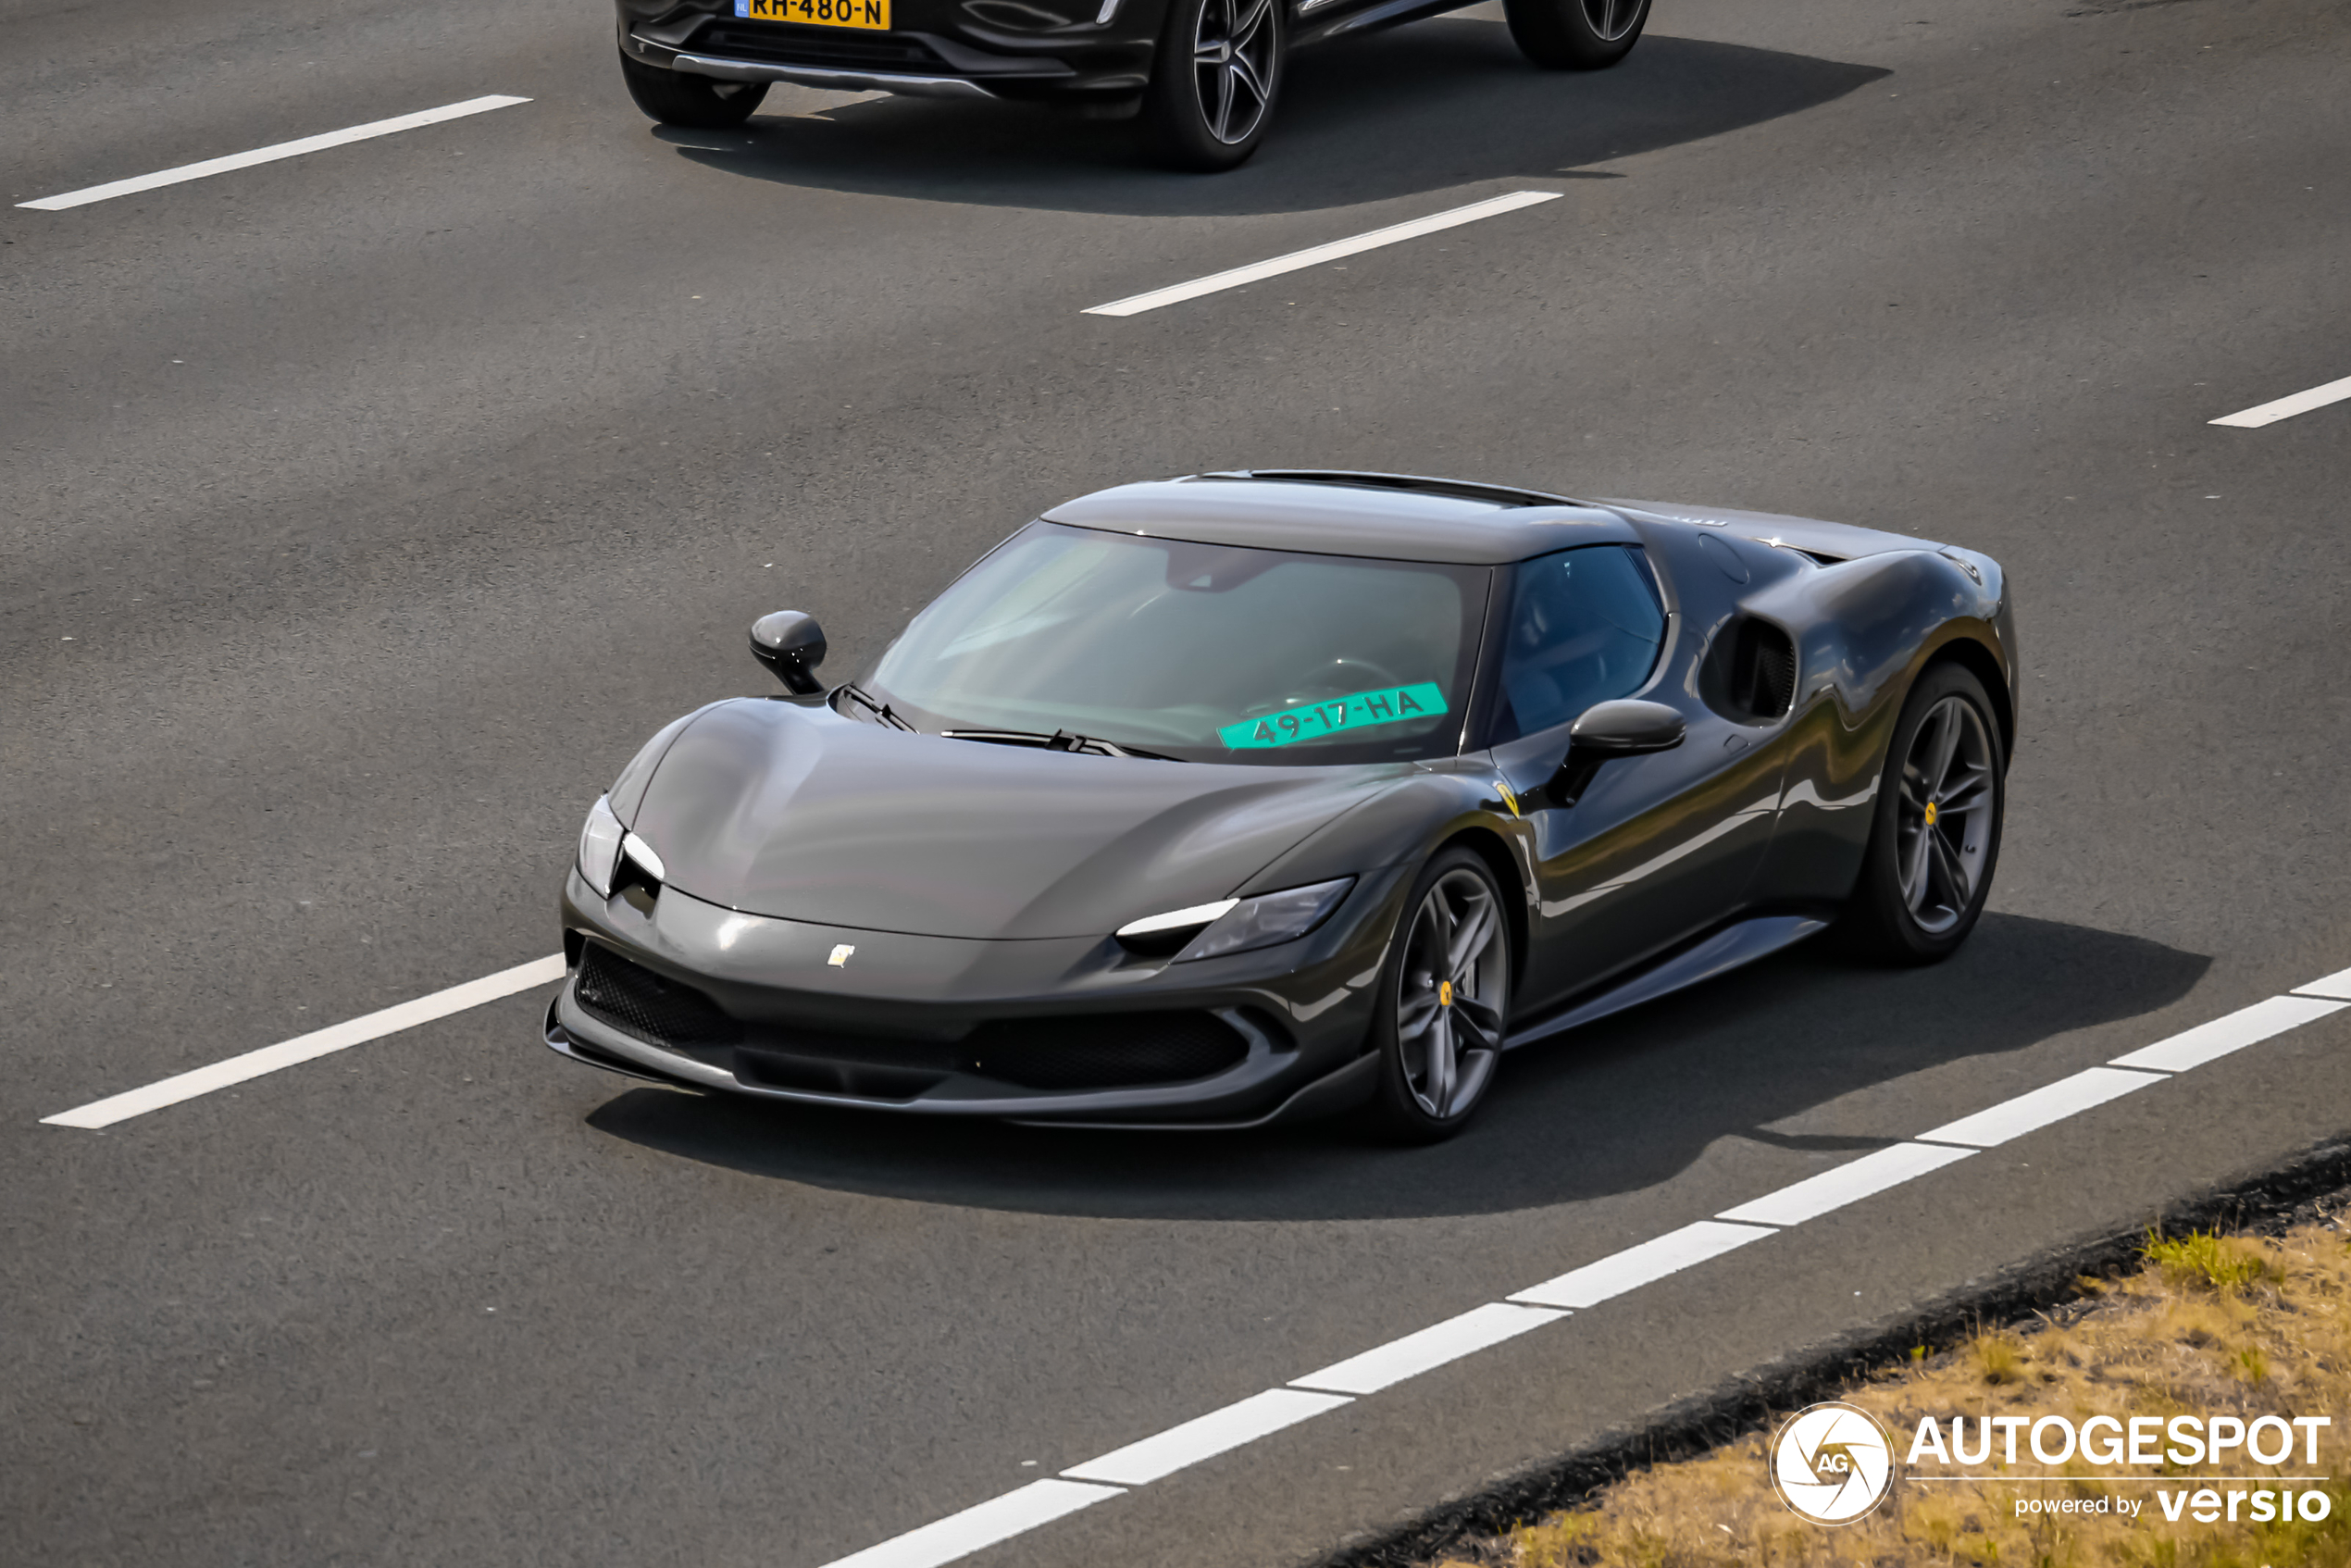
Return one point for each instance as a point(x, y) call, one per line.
point(1316, 721)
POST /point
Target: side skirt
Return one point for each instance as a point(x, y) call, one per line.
point(1741, 942)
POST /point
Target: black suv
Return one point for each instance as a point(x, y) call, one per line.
point(1202, 74)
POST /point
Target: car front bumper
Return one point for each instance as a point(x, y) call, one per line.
point(892, 1026)
point(1016, 49)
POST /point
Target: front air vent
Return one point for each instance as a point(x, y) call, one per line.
point(651, 1007)
point(1762, 670)
point(1104, 1050)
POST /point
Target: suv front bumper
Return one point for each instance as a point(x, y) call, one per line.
point(937, 50)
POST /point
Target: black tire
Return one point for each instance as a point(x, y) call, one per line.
point(1471, 1014)
point(1203, 111)
point(1935, 842)
point(1576, 34)
point(697, 103)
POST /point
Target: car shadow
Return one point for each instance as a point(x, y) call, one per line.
point(1616, 1107)
point(1431, 107)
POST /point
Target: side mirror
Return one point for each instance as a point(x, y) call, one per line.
point(1626, 727)
point(791, 645)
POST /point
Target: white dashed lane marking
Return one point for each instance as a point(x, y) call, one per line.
point(1849, 1183)
point(1299, 260)
point(2031, 1112)
point(1637, 1266)
point(187, 171)
point(1369, 1371)
point(1429, 1348)
point(2337, 986)
point(2287, 407)
point(2239, 1030)
point(1205, 1436)
point(1222, 1431)
point(305, 1048)
point(983, 1525)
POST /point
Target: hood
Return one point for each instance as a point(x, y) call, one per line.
point(799, 814)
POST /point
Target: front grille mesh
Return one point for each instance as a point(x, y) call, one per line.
point(1104, 1050)
point(658, 1011)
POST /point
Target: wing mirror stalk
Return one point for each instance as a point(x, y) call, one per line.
point(791, 645)
point(1626, 727)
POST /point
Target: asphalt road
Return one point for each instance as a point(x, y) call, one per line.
point(359, 513)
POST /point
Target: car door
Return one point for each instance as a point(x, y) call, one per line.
point(1657, 847)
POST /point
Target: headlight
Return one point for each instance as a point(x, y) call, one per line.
point(1268, 918)
point(1212, 930)
point(600, 846)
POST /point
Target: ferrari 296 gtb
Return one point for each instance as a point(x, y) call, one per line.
point(1244, 795)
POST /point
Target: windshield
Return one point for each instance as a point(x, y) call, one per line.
point(1200, 651)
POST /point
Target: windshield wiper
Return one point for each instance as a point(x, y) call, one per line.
point(881, 711)
point(1059, 740)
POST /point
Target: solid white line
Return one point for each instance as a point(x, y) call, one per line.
point(1205, 1436)
point(2209, 1042)
point(1430, 1347)
point(1176, 294)
point(2050, 1102)
point(2337, 985)
point(1849, 1183)
point(1637, 1266)
point(303, 1047)
point(271, 154)
point(958, 1534)
point(2287, 407)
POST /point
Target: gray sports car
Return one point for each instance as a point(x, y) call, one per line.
point(1244, 795)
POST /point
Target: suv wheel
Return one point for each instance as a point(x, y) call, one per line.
point(1576, 35)
point(1211, 94)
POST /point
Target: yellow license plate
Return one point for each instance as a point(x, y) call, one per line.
point(872, 14)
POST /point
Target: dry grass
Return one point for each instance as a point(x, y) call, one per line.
point(2210, 1324)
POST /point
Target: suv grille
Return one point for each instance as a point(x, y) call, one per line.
point(783, 44)
point(656, 1010)
point(1105, 1051)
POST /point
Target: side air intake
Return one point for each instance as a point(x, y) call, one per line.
point(1762, 670)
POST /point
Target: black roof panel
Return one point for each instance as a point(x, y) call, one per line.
point(1395, 517)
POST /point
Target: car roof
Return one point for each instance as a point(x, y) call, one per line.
point(1395, 517)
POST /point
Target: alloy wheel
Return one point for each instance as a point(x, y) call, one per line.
point(1453, 982)
point(1612, 19)
point(1944, 817)
point(1233, 64)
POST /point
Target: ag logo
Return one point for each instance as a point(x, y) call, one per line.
point(1831, 1463)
